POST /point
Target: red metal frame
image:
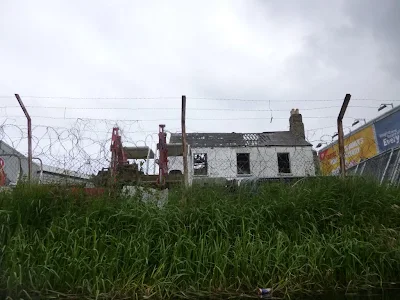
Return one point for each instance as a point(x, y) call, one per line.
point(163, 155)
point(118, 155)
point(2, 177)
point(2, 173)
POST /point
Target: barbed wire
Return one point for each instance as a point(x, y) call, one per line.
point(81, 148)
point(84, 147)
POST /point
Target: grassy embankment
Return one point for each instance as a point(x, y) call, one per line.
point(322, 234)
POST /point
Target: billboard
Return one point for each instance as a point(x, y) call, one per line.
point(387, 132)
point(357, 147)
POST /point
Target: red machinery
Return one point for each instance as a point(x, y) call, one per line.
point(2, 177)
point(2, 173)
point(122, 172)
point(163, 158)
point(125, 173)
point(118, 156)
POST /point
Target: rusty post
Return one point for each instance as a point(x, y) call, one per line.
point(163, 156)
point(29, 136)
point(184, 144)
point(342, 156)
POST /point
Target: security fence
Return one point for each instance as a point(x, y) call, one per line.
point(384, 167)
point(77, 150)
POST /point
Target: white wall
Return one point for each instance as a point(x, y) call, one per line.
point(263, 161)
point(176, 163)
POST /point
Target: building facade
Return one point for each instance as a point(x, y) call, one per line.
point(235, 156)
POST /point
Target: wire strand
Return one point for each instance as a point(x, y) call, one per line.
point(199, 98)
point(178, 108)
point(170, 119)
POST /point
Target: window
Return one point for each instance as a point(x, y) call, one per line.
point(243, 163)
point(200, 165)
point(283, 163)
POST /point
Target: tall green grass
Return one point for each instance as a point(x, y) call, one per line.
point(317, 235)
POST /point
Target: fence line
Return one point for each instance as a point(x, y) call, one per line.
point(81, 150)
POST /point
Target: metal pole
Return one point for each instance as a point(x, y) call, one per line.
point(29, 136)
point(184, 145)
point(341, 135)
point(41, 169)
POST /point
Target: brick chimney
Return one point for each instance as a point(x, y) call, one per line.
point(296, 123)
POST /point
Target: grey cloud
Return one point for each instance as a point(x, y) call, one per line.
point(275, 50)
point(381, 19)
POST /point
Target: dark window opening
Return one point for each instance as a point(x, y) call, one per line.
point(243, 163)
point(283, 163)
point(200, 165)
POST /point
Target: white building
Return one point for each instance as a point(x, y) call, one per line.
point(282, 154)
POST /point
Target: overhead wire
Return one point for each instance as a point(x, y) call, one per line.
point(171, 119)
point(198, 98)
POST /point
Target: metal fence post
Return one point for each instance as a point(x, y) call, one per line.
point(184, 144)
point(342, 156)
point(29, 136)
point(41, 169)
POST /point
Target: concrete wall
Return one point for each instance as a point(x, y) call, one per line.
point(176, 163)
point(263, 161)
point(52, 178)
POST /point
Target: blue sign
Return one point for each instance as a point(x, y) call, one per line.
point(387, 132)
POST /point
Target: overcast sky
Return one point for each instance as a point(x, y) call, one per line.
point(275, 51)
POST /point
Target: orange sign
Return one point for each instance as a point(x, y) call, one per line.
point(357, 147)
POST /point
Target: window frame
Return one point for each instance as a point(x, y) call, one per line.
point(206, 164)
point(237, 165)
point(289, 163)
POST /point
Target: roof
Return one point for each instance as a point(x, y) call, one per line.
point(138, 152)
point(7, 149)
point(265, 139)
point(63, 172)
point(175, 149)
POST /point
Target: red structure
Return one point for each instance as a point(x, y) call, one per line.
point(118, 156)
point(2, 177)
point(163, 156)
point(123, 172)
point(2, 173)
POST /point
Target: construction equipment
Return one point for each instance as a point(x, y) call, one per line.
point(121, 172)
